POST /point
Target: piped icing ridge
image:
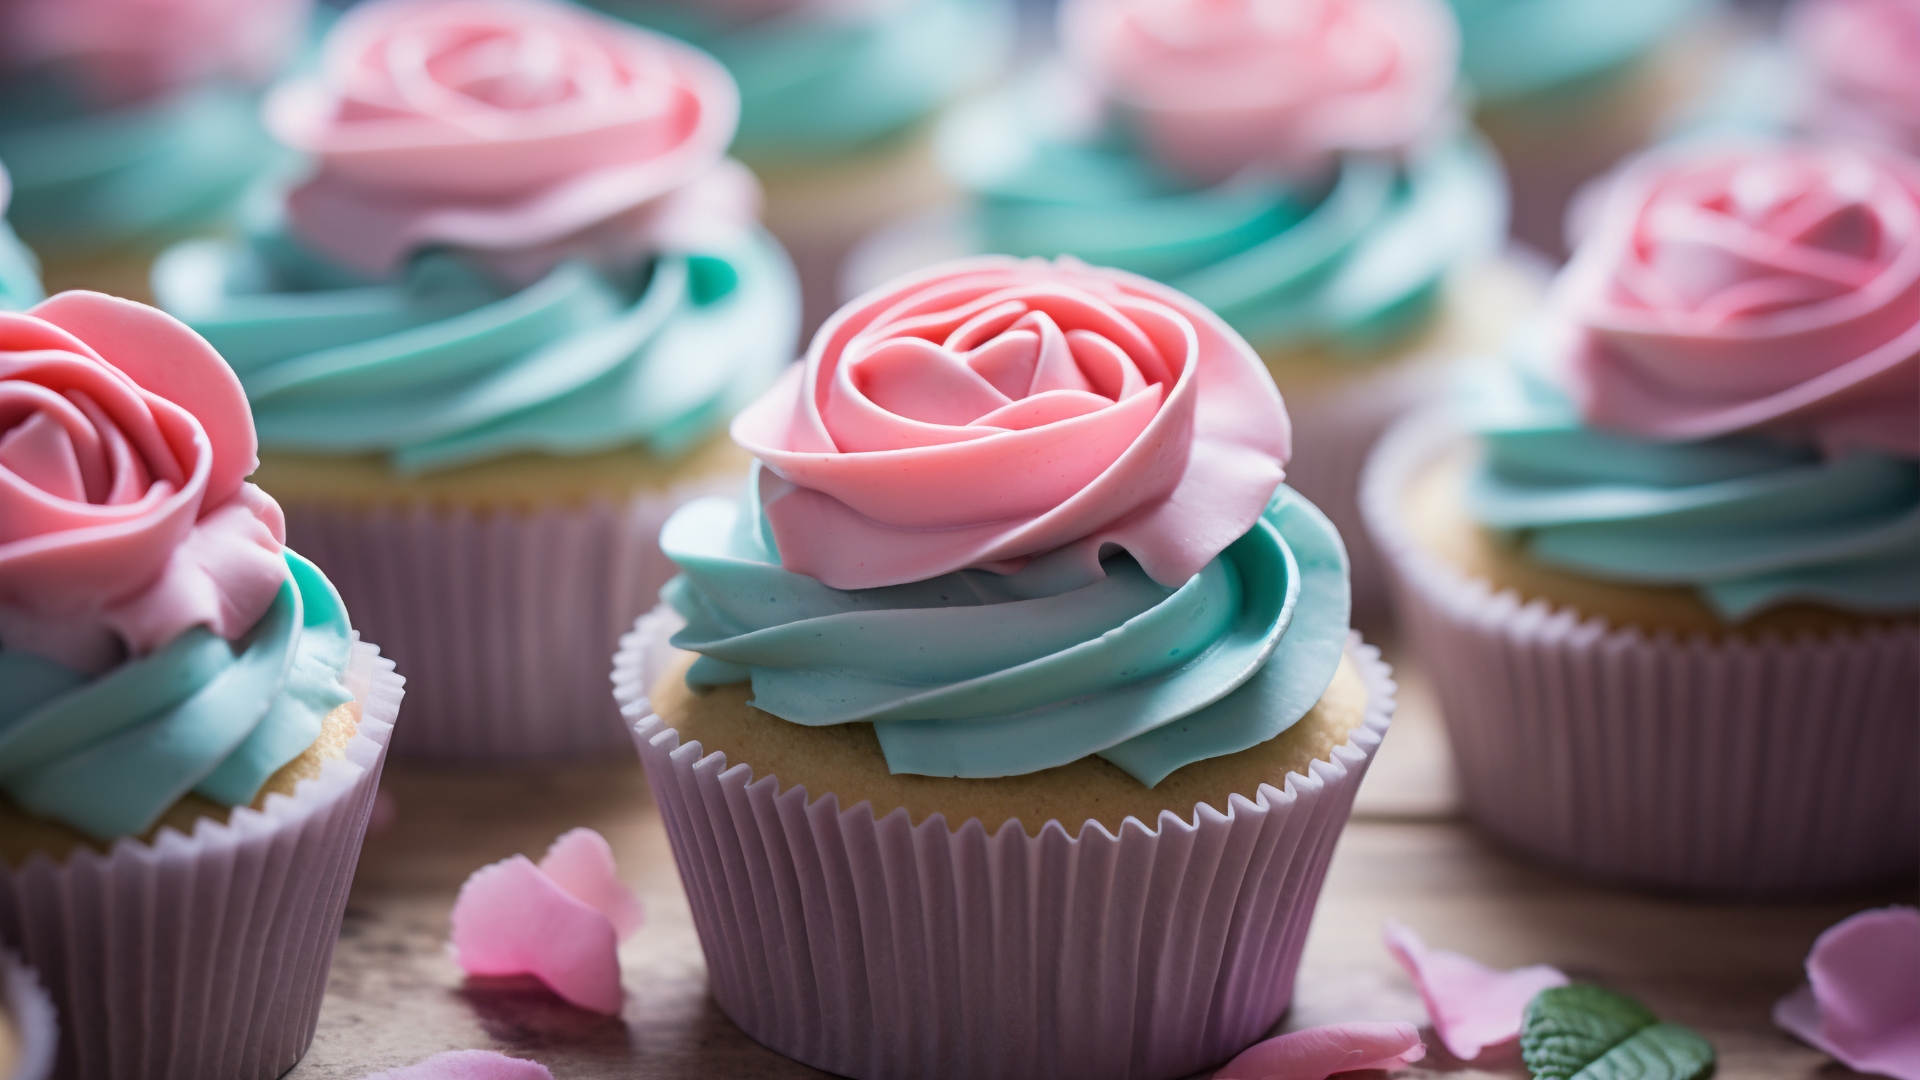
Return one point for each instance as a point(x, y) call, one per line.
point(1330, 213)
point(156, 636)
point(1015, 513)
point(497, 252)
point(1864, 57)
point(19, 270)
point(1515, 48)
point(1721, 392)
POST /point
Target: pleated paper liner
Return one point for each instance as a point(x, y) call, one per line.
point(502, 619)
point(35, 1027)
point(204, 957)
point(1763, 766)
point(880, 949)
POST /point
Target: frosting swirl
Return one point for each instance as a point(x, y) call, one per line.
point(155, 636)
point(1512, 49)
point(986, 411)
point(19, 270)
point(1216, 86)
point(1865, 59)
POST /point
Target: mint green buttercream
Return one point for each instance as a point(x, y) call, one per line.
point(1747, 521)
point(19, 273)
point(445, 367)
point(90, 181)
point(1514, 48)
point(109, 755)
point(1355, 263)
point(979, 674)
point(814, 86)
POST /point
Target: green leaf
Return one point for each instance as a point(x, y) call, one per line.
point(1583, 1032)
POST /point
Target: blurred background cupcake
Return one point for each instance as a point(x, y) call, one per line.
point(837, 99)
point(19, 269)
point(190, 732)
point(492, 340)
point(130, 123)
point(1300, 169)
point(1665, 576)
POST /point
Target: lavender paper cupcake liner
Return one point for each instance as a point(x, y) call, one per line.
point(36, 1027)
point(501, 619)
point(880, 949)
point(1765, 766)
point(205, 956)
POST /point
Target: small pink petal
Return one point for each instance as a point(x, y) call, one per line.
point(581, 862)
point(1472, 1006)
point(467, 1065)
point(1861, 1002)
point(1317, 1053)
point(511, 919)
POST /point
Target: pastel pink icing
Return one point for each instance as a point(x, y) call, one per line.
point(125, 518)
point(127, 50)
point(1317, 1053)
point(468, 1065)
point(1216, 86)
point(510, 126)
point(1770, 288)
point(560, 921)
point(985, 411)
point(1471, 1005)
point(1861, 1000)
point(1865, 56)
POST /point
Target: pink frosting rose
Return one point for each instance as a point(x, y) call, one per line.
point(529, 128)
point(988, 410)
point(126, 50)
point(1772, 289)
point(125, 518)
point(1865, 56)
point(1219, 85)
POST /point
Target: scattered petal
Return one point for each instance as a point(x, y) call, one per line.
point(1317, 1053)
point(467, 1065)
point(1861, 1001)
point(1472, 1006)
point(581, 862)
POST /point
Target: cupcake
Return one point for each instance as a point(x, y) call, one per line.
point(1863, 59)
point(132, 123)
point(19, 270)
point(1342, 219)
point(1018, 648)
point(836, 104)
point(1665, 577)
point(190, 731)
point(29, 1030)
point(491, 340)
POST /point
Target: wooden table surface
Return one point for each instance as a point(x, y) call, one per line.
point(396, 996)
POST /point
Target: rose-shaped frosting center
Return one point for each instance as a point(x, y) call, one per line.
point(1865, 56)
point(124, 513)
point(1774, 289)
point(126, 50)
point(988, 410)
point(1219, 85)
point(499, 124)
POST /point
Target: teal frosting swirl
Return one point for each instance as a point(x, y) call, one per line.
point(109, 755)
point(1514, 48)
point(1355, 263)
point(1748, 522)
point(813, 87)
point(447, 367)
point(93, 181)
point(19, 272)
point(978, 674)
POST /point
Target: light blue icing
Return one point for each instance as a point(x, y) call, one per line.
point(19, 273)
point(93, 181)
point(1514, 48)
point(1354, 265)
point(109, 755)
point(446, 367)
point(977, 674)
point(813, 87)
point(1749, 522)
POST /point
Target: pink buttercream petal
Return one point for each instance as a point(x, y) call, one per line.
point(1317, 1053)
point(581, 862)
point(222, 576)
point(467, 1065)
point(1861, 1002)
point(512, 919)
point(1472, 1006)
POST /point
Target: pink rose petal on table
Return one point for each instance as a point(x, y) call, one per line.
point(1861, 1001)
point(1317, 1053)
point(560, 921)
point(467, 1065)
point(1472, 1006)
